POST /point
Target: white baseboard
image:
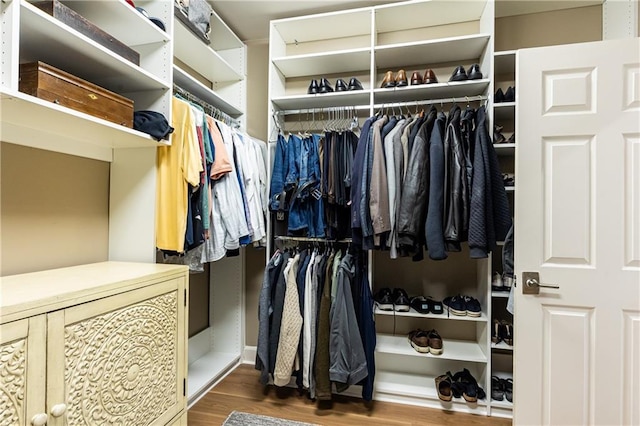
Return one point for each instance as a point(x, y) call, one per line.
point(249, 355)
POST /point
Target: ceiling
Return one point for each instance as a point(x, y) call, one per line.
point(250, 19)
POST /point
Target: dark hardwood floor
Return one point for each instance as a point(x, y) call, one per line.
point(241, 391)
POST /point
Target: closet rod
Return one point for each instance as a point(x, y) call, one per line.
point(312, 240)
point(208, 108)
point(319, 109)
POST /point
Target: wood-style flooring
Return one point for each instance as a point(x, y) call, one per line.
point(241, 391)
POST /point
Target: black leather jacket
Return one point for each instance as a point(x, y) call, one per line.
point(415, 191)
point(456, 184)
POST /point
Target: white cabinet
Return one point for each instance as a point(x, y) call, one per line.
point(102, 343)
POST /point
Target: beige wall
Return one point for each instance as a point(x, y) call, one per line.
point(54, 210)
point(257, 126)
point(549, 28)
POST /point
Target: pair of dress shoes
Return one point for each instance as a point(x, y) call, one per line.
point(508, 96)
point(429, 77)
point(325, 87)
point(459, 74)
point(399, 80)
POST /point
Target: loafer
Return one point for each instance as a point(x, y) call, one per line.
point(354, 84)
point(429, 77)
point(313, 87)
point(401, 301)
point(416, 78)
point(459, 74)
point(435, 342)
point(510, 94)
point(474, 72)
point(341, 85)
point(325, 86)
point(401, 79)
point(388, 80)
point(419, 340)
point(384, 299)
point(499, 96)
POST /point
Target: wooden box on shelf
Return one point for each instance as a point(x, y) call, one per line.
point(71, 18)
point(46, 82)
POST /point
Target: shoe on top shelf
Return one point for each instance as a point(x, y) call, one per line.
point(384, 299)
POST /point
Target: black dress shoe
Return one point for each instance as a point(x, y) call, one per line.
point(325, 86)
point(499, 96)
point(354, 84)
point(510, 94)
point(474, 72)
point(459, 74)
point(341, 85)
point(313, 87)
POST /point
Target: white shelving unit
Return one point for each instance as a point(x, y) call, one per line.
point(368, 42)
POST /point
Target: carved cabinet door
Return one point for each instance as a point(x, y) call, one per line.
point(120, 360)
point(22, 371)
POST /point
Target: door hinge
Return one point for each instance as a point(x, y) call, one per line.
point(185, 297)
point(184, 387)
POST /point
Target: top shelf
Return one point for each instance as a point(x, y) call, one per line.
point(418, 14)
point(222, 37)
point(349, 23)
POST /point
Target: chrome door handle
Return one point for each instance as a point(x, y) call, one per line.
point(532, 283)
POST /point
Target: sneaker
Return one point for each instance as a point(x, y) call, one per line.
point(472, 306)
point(435, 342)
point(384, 300)
point(420, 304)
point(419, 340)
point(496, 282)
point(455, 305)
point(401, 301)
point(508, 282)
point(435, 307)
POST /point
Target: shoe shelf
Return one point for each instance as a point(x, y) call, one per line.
point(500, 294)
point(189, 49)
point(459, 350)
point(409, 15)
point(323, 100)
point(64, 130)
point(320, 64)
point(420, 390)
point(44, 38)
point(504, 62)
point(431, 91)
point(504, 111)
point(195, 87)
point(452, 49)
point(510, 188)
point(444, 316)
point(222, 37)
point(501, 346)
point(507, 149)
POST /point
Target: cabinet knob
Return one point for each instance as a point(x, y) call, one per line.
point(39, 419)
point(58, 410)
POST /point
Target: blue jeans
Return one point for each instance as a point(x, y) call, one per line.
point(279, 172)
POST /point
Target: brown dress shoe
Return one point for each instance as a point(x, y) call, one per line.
point(416, 78)
point(388, 80)
point(430, 77)
point(401, 79)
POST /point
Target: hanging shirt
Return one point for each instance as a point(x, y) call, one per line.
point(178, 165)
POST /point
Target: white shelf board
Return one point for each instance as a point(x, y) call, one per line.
point(343, 24)
point(222, 37)
point(320, 64)
point(195, 87)
point(415, 314)
point(510, 188)
point(502, 404)
point(460, 49)
point(500, 294)
point(504, 62)
point(460, 350)
point(323, 100)
point(208, 368)
point(418, 14)
point(30, 121)
point(43, 38)
point(506, 149)
point(502, 346)
point(203, 59)
point(503, 112)
point(431, 91)
point(117, 18)
point(417, 386)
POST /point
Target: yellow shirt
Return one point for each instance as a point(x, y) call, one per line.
point(178, 165)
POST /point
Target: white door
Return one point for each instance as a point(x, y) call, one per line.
point(577, 348)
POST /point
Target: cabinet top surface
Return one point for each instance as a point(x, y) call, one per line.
point(67, 285)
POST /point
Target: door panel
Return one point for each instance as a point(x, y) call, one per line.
point(578, 225)
point(119, 360)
